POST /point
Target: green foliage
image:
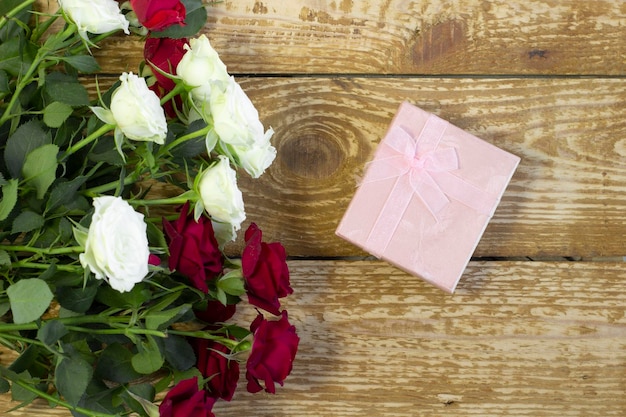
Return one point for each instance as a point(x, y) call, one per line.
point(149, 358)
point(40, 168)
point(66, 89)
point(9, 198)
point(27, 221)
point(80, 343)
point(28, 137)
point(56, 113)
point(29, 299)
point(72, 377)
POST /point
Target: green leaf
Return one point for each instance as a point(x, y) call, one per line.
point(178, 352)
point(140, 398)
point(29, 299)
point(4, 307)
point(4, 83)
point(131, 299)
point(4, 386)
point(64, 192)
point(221, 296)
point(28, 137)
point(114, 364)
point(32, 361)
point(5, 259)
point(83, 63)
point(77, 299)
point(159, 320)
point(232, 283)
point(40, 168)
point(72, 376)
point(9, 198)
point(14, 57)
point(66, 89)
point(56, 113)
point(194, 21)
point(27, 221)
point(19, 393)
point(51, 332)
point(149, 358)
point(155, 236)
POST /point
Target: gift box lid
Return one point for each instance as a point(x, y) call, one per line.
point(427, 196)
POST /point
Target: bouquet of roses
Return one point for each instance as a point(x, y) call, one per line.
point(104, 305)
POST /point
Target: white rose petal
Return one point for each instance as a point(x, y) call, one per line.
point(224, 233)
point(116, 248)
point(202, 69)
point(137, 110)
point(236, 120)
point(222, 200)
point(257, 158)
point(95, 16)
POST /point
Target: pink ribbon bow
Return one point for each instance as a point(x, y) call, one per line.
point(421, 168)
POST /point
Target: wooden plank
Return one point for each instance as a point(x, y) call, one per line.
point(400, 37)
point(416, 37)
point(517, 338)
point(566, 199)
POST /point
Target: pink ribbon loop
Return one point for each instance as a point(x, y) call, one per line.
point(421, 168)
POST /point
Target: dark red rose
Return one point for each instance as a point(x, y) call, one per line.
point(223, 373)
point(264, 267)
point(273, 352)
point(163, 55)
point(193, 248)
point(159, 14)
point(216, 312)
point(185, 400)
point(154, 260)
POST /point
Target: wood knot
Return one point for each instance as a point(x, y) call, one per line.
point(537, 53)
point(311, 156)
point(259, 8)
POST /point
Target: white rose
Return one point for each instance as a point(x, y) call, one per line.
point(224, 233)
point(236, 120)
point(202, 69)
point(136, 111)
point(222, 200)
point(95, 16)
point(257, 158)
point(116, 246)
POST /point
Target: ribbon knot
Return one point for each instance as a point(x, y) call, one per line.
point(423, 169)
point(418, 168)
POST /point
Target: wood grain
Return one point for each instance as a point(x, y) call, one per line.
point(407, 37)
point(412, 37)
point(566, 199)
point(517, 338)
point(544, 79)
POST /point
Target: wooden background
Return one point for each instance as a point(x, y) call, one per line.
point(537, 325)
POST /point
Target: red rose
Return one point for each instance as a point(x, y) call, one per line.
point(273, 351)
point(223, 373)
point(193, 248)
point(159, 14)
point(216, 312)
point(186, 400)
point(163, 55)
point(264, 267)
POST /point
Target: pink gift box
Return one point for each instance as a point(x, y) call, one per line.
point(427, 196)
